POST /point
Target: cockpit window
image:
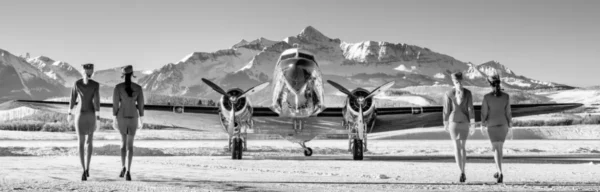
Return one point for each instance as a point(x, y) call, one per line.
point(306, 56)
point(288, 56)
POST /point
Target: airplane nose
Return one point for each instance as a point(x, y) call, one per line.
point(298, 72)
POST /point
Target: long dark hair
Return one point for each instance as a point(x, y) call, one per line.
point(128, 88)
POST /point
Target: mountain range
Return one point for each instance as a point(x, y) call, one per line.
point(248, 63)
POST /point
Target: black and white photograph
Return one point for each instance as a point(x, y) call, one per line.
point(310, 95)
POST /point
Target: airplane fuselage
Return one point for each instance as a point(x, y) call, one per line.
point(297, 85)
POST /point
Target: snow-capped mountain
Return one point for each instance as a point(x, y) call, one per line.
point(112, 77)
point(364, 64)
point(60, 71)
point(510, 79)
point(248, 63)
point(21, 80)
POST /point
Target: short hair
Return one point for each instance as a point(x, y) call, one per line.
point(457, 76)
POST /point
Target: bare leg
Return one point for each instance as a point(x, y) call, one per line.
point(81, 139)
point(123, 149)
point(458, 155)
point(498, 155)
point(129, 151)
point(90, 148)
point(463, 149)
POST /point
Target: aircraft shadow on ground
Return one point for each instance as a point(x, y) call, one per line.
point(222, 185)
point(237, 185)
point(13, 151)
point(409, 183)
point(436, 159)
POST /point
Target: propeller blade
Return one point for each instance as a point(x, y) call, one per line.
point(214, 87)
point(254, 89)
point(381, 89)
point(340, 88)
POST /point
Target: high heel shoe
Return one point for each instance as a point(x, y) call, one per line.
point(128, 176)
point(122, 174)
point(496, 175)
point(500, 178)
point(463, 178)
point(87, 173)
point(84, 176)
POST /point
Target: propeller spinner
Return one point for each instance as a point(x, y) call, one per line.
point(360, 100)
point(233, 98)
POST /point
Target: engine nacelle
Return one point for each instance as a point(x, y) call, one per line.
point(351, 109)
point(242, 111)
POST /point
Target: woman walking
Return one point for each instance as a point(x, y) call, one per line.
point(496, 116)
point(128, 109)
point(459, 116)
point(87, 114)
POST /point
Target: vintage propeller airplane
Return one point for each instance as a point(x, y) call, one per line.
point(297, 111)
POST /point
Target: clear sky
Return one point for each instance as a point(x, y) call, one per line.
point(547, 40)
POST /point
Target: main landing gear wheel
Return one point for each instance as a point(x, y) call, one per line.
point(357, 149)
point(307, 152)
point(236, 153)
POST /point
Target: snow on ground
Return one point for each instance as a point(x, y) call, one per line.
point(578, 132)
point(283, 148)
point(417, 100)
point(519, 133)
point(199, 164)
point(16, 113)
point(439, 76)
point(224, 174)
point(403, 68)
point(516, 82)
point(576, 96)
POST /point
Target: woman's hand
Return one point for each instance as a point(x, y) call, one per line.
point(472, 127)
point(481, 127)
point(141, 123)
point(97, 118)
point(114, 123)
point(446, 126)
point(69, 118)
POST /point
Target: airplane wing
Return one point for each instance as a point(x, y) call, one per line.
point(398, 118)
point(390, 119)
point(191, 117)
point(206, 118)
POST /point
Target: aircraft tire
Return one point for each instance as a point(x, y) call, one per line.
point(357, 150)
point(308, 152)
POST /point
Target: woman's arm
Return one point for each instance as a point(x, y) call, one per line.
point(471, 108)
point(73, 97)
point(484, 111)
point(97, 101)
point(140, 103)
point(116, 101)
point(508, 111)
point(447, 108)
